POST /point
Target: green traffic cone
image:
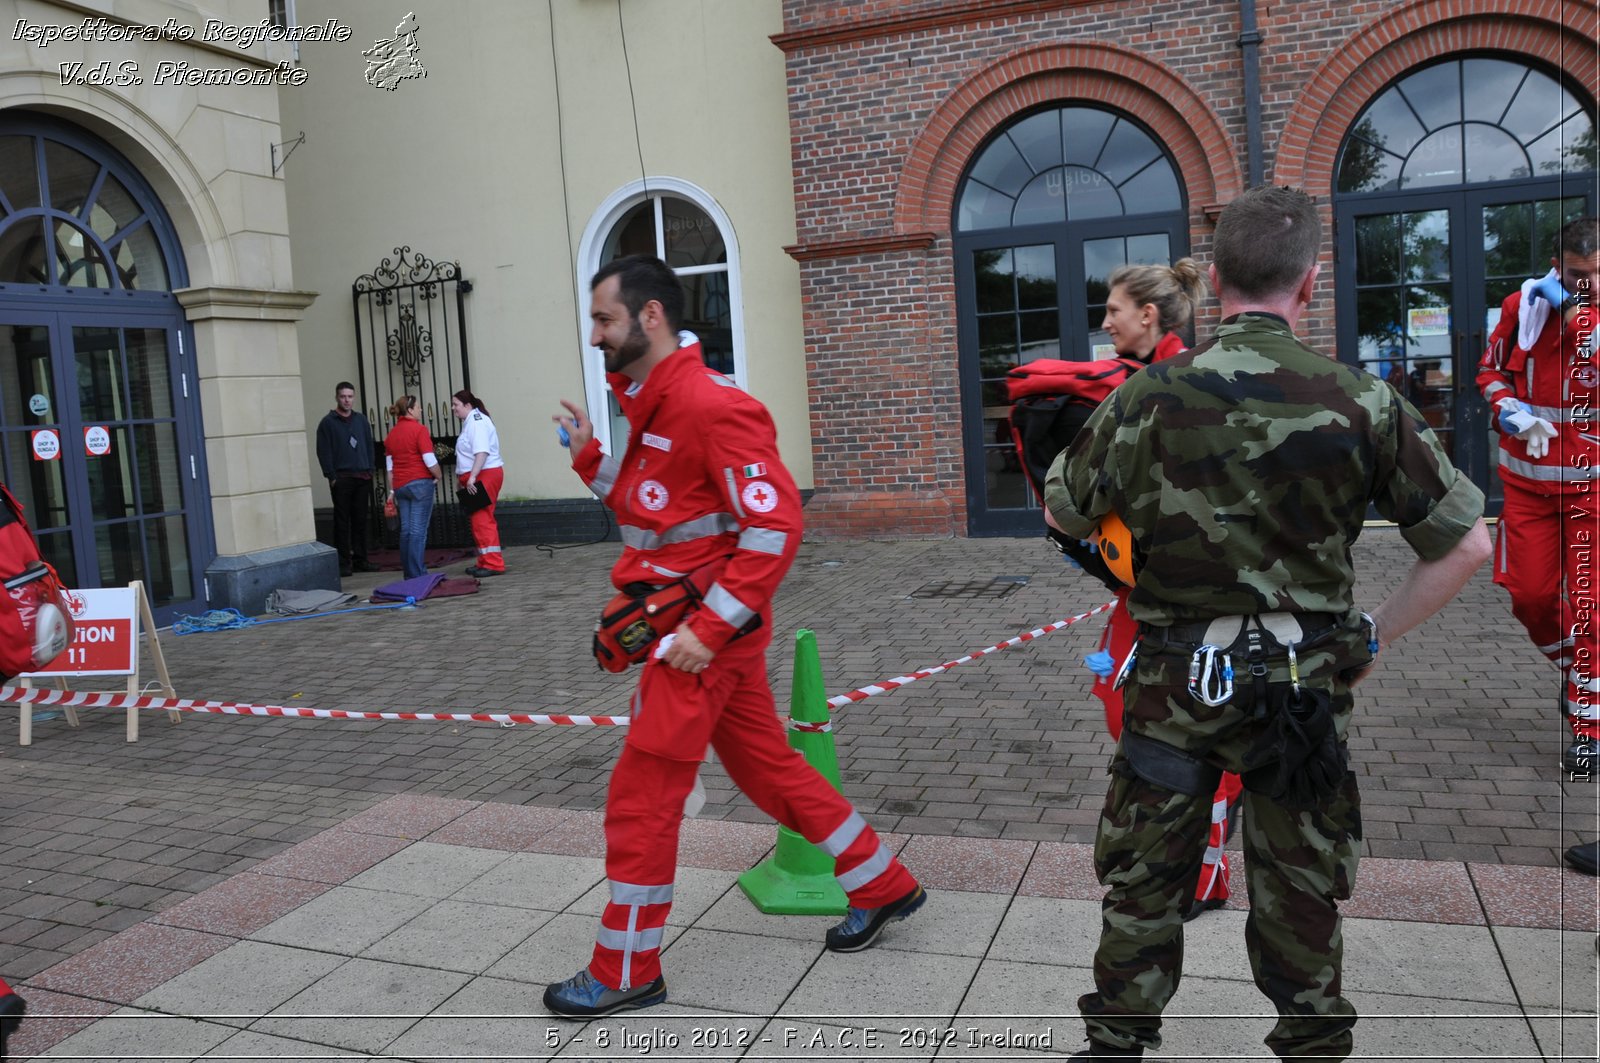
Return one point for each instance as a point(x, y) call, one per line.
point(798, 878)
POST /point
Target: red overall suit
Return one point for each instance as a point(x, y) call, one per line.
point(1550, 521)
point(1120, 633)
point(702, 480)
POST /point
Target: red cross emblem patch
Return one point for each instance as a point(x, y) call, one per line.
point(759, 497)
point(652, 495)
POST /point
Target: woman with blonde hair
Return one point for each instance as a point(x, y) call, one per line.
point(413, 468)
point(1148, 304)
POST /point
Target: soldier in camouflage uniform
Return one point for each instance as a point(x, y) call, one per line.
point(1244, 469)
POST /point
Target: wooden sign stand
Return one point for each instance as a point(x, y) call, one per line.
point(143, 618)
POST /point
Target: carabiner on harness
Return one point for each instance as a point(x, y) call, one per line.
point(1294, 670)
point(1126, 670)
point(1211, 676)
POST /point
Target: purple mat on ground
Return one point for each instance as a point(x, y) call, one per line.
point(431, 585)
point(417, 588)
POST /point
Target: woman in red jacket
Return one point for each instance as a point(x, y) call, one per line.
point(413, 467)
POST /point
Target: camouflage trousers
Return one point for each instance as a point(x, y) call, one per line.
point(1298, 866)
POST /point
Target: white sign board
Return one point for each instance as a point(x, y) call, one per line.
point(103, 634)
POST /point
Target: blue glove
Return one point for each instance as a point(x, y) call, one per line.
point(561, 434)
point(1551, 290)
point(1092, 544)
point(1100, 663)
point(1516, 416)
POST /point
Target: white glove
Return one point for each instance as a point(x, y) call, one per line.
point(1539, 437)
point(1518, 420)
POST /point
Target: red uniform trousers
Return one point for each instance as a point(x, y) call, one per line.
point(1121, 631)
point(485, 530)
point(1545, 557)
point(675, 715)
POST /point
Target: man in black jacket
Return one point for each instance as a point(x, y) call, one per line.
point(344, 450)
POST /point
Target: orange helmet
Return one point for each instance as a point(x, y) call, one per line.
point(1115, 543)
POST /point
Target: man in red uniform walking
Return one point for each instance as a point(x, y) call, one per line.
point(701, 481)
point(1540, 375)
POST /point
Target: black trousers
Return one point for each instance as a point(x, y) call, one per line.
point(352, 502)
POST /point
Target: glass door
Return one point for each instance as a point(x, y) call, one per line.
point(96, 447)
point(1428, 274)
point(1028, 294)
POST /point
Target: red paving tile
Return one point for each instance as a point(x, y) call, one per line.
point(409, 815)
point(1550, 897)
point(1062, 869)
point(243, 904)
point(573, 834)
point(128, 965)
point(1419, 890)
point(977, 865)
point(509, 828)
point(51, 1019)
point(724, 845)
point(334, 856)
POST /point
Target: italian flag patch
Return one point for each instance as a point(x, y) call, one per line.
point(758, 469)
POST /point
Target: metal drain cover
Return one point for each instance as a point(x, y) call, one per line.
point(997, 587)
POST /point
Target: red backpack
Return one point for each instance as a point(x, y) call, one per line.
point(35, 615)
point(1051, 400)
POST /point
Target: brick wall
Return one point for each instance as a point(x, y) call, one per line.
point(888, 100)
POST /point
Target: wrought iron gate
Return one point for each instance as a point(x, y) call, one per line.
point(411, 339)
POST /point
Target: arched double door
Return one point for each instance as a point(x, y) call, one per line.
point(1047, 209)
point(99, 399)
point(1449, 191)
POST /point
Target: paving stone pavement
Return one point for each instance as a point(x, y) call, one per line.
point(425, 928)
point(1458, 732)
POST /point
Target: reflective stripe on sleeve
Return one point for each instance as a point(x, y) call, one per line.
point(733, 612)
point(733, 492)
point(699, 528)
point(606, 478)
point(1545, 473)
point(866, 871)
point(843, 835)
point(764, 541)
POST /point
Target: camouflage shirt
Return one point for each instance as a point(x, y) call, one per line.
point(1244, 468)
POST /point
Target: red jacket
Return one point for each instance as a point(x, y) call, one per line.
point(404, 446)
point(1557, 378)
point(701, 480)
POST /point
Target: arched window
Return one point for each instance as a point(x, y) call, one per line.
point(683, 226)
point(1067, 164)
point(1047, 209)
point(1451, 185)
point(66, 220)
point(1467, 121)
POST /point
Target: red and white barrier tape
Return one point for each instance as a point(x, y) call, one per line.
point(89, 699)
point(886, 685)
point(231, 708)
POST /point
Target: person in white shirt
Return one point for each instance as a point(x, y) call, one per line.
point(479, 469)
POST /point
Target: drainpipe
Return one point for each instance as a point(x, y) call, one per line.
point(1249, 44)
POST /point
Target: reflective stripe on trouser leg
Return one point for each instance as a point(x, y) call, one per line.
point(634, 922)
point(485, 529)
point(1213, 884)
point(644, 809)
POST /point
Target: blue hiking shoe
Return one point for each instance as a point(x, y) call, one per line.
point(584, 997)
point(862, 926)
